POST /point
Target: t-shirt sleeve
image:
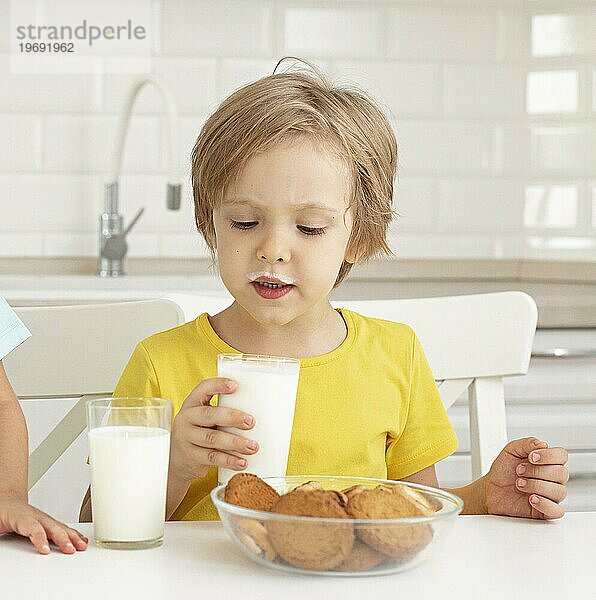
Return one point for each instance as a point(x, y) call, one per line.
point(12, 330)
point(139, 377)
point(427, 435)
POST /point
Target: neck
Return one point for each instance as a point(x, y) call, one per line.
point(320, 332)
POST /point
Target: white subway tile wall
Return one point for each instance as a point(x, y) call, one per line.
point(551, 206)
point(552, 92)
point(83, 143)
point(350, 31)
point(493, 104)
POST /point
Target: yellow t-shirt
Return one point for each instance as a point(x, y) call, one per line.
point(368, 408)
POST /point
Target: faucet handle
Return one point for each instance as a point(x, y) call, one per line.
point(114, 247)
point(173, 196)
point(133, 222)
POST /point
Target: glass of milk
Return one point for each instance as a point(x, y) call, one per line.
point(266, 390)
point(129, 448)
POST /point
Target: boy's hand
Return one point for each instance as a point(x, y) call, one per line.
point(196, 442)
point(534, 493)
point(19, 517)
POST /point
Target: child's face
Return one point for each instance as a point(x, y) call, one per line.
point(261, 229)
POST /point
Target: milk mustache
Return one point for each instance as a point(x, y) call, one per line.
point(128, 481)
point(267, 391)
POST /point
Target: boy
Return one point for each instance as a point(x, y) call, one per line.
point(16, 515)
point(293, 184)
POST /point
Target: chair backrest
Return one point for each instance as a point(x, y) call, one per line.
point(79, 351)
point(471, 342)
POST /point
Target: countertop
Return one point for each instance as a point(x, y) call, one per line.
point(386, 268)
point(565, 292)
point(486, 557)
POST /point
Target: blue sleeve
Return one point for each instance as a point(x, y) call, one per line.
point(12, 330)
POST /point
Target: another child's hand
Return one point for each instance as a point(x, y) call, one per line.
point(196, 442)
point(19, 517)
point(534, 493)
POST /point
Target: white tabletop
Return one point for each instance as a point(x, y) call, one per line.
point(484, 557)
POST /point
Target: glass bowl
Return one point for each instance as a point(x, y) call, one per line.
point(336, 546)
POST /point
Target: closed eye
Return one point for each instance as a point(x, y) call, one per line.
point(303, 228)
point(243, 224)
point(311, 230)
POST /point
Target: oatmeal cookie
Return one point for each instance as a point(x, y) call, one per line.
point(383, 502)
point(315, 546)
point(250, 491)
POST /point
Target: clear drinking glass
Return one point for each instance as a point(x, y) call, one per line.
point(266, 390)
point(129, 448)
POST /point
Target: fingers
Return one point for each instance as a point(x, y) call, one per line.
point(213, 446)
point(217, 416)
point(549, 456)
point(213, 438)
point(202, 393)
point(37, 534)
point(67, 540)
point(537, 451)
point(554, 473)
point(522, 447)
point(58, 534)
point(199, 412)
point(42, 529)
point(197, 439)
point(547, 489)
point(545, 508)
point(206, 456)
point(219, 448)
point(542, 477)
point(78, 540)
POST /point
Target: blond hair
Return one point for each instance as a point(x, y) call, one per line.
point(343, 120)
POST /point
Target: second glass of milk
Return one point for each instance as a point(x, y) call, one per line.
point(266, 390)
point(129, 448)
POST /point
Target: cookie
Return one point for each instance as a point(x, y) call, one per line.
point(383, 502)
point(309, 485)
point(361, 558)
point(314, 546)
point(353, 490)
point(254, 537)
point(249, 491)
point(340, 497)
point(420, 500)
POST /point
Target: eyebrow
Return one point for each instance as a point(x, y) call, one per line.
point(299, 206)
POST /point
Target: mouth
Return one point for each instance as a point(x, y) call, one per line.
point(270, 284)
point(271, 291)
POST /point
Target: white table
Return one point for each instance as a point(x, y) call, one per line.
point(484, 557)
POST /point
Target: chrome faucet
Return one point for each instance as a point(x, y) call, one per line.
point(112, 235)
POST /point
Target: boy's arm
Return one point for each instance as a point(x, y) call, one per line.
point(16, 515)
point(473, 494)
point(14, 446)
point(474, 497)
point(537, 494)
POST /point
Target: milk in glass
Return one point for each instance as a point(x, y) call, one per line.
point(129, 467)
point(266, 390)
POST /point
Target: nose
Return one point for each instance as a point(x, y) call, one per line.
point(273, 249)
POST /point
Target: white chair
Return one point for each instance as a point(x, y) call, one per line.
point(471, 343)
point(79, 352)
